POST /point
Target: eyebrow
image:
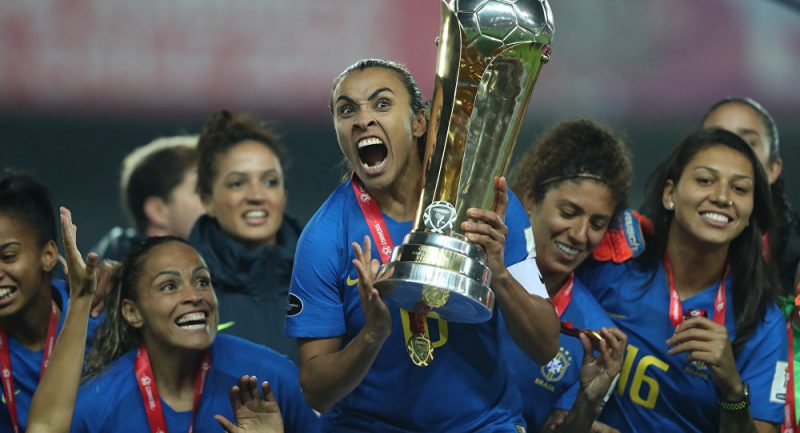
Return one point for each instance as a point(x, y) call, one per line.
point(748, 131)
point(8, 244)
point(173, 273)
point(715, 171)
point(198, 269)
point(371, 96)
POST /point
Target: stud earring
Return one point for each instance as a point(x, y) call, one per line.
point(670, 206)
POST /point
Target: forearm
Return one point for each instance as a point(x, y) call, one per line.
point(581, 417)
point(742, 422)
point(531, 320)
point(54, 399)
point(329, 377)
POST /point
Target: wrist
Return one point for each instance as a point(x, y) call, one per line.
point(736, 400)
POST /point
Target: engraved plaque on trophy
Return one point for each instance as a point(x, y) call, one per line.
point(489, 56)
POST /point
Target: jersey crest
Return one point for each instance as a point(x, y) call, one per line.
point(554, 370)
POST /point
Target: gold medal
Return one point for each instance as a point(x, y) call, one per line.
point(420, 349)
point(435, 297)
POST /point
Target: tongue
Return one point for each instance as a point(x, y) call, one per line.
point(373, 155)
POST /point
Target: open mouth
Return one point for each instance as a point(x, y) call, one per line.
point(7, 292)
point(192, 321)
point(715, 218)
point(372, 152)
point(255, 217)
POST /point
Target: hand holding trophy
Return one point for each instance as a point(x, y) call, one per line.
point(489, 56)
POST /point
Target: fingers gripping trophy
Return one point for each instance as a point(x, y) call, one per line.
point(489, 56)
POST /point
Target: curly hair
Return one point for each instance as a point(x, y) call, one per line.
point(573, 150)
point(221, 133)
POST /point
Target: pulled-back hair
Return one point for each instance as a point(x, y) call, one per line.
point(115, 336)
point(575, 150)
point(224, 131)
point(26, 200)
point(784, 218)
point(155, 170)
point(754, 286)
point(418, 103)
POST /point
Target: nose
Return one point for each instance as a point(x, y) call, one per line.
point(365, 119)
point(722, 195)
point(255, 192)
point(193, 296)
point(579, 231)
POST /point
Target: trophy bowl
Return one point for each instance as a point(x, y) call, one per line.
point(488, 59)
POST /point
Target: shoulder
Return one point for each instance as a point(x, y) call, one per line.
point(237, 356)
point(101, 395)
point(592, 312)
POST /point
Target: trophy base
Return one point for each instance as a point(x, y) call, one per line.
point(447, 274)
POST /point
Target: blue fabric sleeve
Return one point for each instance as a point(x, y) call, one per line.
point(602, 278)
point(518, 223)
point(764, 368)
point(567, 399)
point(316, 274)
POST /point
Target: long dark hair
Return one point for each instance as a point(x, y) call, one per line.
point(784, 219)
point(114, 336)
point(754, 286)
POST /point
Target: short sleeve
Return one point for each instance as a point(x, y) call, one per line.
point(764, 368)
point(519, 242)
point(315, 300)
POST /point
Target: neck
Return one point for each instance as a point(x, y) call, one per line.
point(554, 283)
point(29, 326)
point(400, 199)
point(174, 371)
point(153, 231)
point(694, 268)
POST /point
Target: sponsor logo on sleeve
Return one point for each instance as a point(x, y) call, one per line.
point(777, 393)
point(295, 306)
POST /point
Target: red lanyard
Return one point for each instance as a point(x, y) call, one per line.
point(152, 402)
point(564, 295)
point(676, 308)
point(384, 245)
point(374, 217)
point(5, 362)
point(789, 409)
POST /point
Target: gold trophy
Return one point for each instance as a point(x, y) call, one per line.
point(489, 56)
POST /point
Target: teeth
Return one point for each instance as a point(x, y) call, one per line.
point(191, 317)
point(567, 249)
point(369, 142)
point(194, 327)
point(713, 216)
point(5, 291)
point(375, 167)
point(255, 214)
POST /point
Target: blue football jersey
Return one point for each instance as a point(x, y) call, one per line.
point(465, 388)
point(112, 402)
point(661, 392)
point(26, 364)
point(555, 385)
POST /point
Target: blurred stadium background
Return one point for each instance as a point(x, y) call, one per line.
point(82, 82)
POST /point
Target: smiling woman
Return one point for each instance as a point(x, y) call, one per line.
point(245, 237)
point(698, 305)
point(158, 363)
